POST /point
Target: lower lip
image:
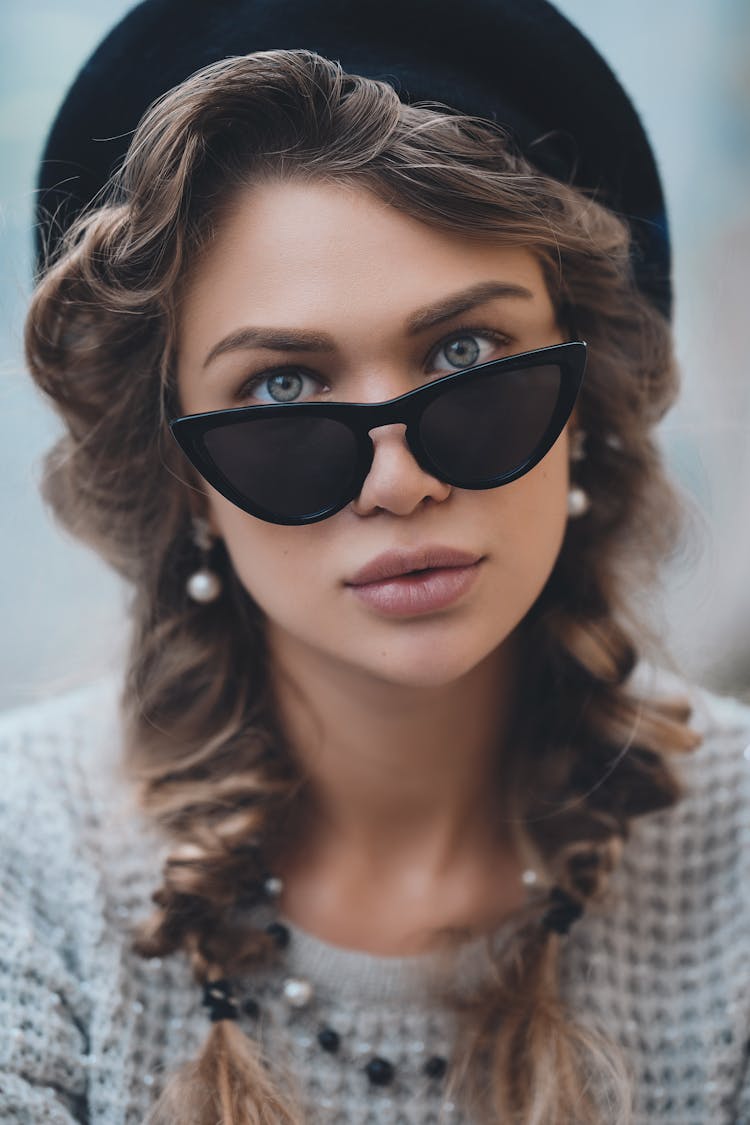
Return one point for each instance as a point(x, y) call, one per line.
point(410, 595)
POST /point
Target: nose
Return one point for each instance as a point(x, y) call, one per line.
point(396, 482)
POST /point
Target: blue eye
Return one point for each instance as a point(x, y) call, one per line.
point(465, 351)
point(285, 384)
point(464, 348)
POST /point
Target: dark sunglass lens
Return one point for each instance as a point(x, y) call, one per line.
point(293, 467)
point(491, 425)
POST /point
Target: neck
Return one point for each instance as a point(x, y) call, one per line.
point(394, 770)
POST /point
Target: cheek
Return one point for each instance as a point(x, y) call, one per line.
point(541, 505)
point(532, 520)
point(270, 560)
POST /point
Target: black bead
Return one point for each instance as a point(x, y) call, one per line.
point(250, 1008)
point(379, 1071)
point(329, 1040)
point(219, 999)
point(279, 933)
point(435, 1067)
point(563, 911)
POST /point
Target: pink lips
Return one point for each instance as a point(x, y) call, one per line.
point(408, 583)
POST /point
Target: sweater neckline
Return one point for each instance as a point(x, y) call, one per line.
point(345, 973)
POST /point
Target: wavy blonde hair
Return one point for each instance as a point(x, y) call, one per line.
point(203, 744)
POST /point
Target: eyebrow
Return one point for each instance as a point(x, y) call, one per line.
point(298, 340)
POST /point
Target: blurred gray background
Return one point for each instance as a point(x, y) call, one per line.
point(686, 64)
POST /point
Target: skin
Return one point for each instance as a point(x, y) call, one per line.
point(399, 722)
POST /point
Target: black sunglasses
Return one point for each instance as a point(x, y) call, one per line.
point(297, 463)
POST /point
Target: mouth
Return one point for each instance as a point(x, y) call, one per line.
point(412, 583)
point(413, 565)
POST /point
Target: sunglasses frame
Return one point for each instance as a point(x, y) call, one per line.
point(361, 417)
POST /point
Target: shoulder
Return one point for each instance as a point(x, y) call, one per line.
point(47, 916)
point(663, 960)
point(721, 761)
point(56, 716)
point(708, 832)
point(67, 811)
point(77, 866)
point(677, 899)
point(685, 857)
point(53, 737)
point(677, 904)
point(714, 810)
point(53, 751)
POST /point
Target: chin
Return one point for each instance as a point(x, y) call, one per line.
point(427, 667)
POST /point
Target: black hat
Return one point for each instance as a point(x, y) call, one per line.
point(520, 63)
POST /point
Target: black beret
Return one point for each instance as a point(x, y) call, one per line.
point(520, 63)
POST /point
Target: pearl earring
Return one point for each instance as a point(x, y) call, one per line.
point(578, 500)
point(204, 585)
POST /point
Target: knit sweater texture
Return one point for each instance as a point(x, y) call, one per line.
point(88, 1030)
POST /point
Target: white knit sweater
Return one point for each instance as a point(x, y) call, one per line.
point(88, 1029)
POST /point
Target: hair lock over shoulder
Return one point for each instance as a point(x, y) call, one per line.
point(204, 745)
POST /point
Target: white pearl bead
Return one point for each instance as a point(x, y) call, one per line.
point(578, 502)
point(297, 992)
point(204, 586)
point(529, 878)
point(273, 886)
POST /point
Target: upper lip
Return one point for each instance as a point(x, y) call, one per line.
point(392, 563)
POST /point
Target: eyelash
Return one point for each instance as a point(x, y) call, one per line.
point(253, 381)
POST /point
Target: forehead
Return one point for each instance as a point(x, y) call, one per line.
point(329, 256)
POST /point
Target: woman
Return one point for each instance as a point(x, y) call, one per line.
point(387, 730)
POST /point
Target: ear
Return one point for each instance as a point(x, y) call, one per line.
point(206, 514)
point(199, 503)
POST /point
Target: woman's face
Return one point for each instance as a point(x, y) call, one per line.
point(335, 261)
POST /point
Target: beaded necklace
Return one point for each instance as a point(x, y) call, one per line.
point(298, 993)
